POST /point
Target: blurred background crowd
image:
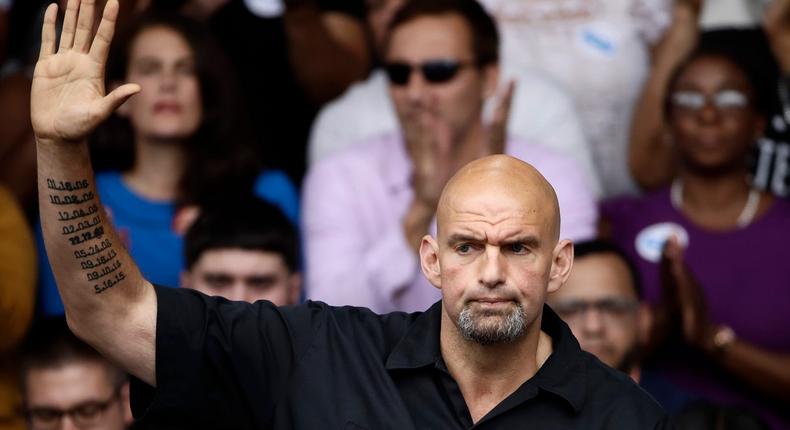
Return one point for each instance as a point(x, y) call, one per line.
point(295, 149)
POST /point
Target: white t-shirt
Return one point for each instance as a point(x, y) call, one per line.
point(599, 51)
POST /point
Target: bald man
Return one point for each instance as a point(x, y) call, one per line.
point(490, 354)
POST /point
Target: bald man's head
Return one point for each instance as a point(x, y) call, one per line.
point(489, 184)
point(497, 253)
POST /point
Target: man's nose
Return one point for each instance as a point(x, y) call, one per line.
point(592, 321)
point(68, 424)
point(493, 271)
point(417, 87)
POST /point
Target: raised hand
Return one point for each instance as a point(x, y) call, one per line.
point(67, 99)
point(496, 133)
point(682, 35)
point(428, 138)
point(688, 297)
point(777, 27)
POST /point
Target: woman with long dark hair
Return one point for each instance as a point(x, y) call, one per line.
point(179, 144)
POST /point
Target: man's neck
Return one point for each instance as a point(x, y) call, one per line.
point(488, 374)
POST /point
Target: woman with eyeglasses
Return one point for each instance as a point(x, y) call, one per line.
point(711, 249)
point(179, 145)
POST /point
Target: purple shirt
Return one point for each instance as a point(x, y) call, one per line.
point(744, 274)
point(354, 203)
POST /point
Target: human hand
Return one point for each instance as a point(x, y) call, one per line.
point(689, 300)
point(67, 98)
point(777, 27)
point(429, 142)
point(496, 133)
point(682, 35)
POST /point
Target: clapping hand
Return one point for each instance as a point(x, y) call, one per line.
point(777, 27)
point(67, 99)
point(497, 129)
point(684, 297)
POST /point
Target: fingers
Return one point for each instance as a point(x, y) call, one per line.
point(112, 101)
point(69, 25)
point(101, 43)
point(497, 131)
point(48, 32)
point(82, 35)
point(777, 14)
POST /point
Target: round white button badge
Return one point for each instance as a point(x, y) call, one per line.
point(650, 241)
point(266, 8)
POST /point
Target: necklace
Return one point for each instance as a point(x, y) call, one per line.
point(747, 213)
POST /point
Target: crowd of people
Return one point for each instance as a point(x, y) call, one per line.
point(297, 150)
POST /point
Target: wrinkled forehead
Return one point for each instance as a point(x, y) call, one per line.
point(501, 201)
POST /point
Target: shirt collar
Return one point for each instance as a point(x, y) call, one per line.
point(563, 374)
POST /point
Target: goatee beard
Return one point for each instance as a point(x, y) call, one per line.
point(506, 329)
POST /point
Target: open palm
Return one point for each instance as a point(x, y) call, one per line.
point(67, 99)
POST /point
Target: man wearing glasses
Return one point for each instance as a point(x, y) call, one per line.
point(602, 304)
point(68, 385)
point(366, 209)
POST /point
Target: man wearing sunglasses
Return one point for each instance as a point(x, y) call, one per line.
point(365, 209)
point(68, 385)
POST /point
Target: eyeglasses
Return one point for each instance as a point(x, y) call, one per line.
point(84, 415)
point(724, 100)
point(610, 309)
point(433, 71)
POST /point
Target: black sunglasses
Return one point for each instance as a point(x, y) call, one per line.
point(433, 71)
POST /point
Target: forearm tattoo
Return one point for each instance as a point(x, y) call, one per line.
point(81, 223)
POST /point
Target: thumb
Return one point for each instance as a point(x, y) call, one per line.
point(112, 101)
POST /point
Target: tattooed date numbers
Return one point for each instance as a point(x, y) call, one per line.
point(66, 185)
point(110, 282)
point(71, 199)
point(77, 213)
point(86, 236)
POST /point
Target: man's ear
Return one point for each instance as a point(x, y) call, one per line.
point(126, 404)
point(429, 261)
point(294, 287)
point(490, 80)
point(561, 263)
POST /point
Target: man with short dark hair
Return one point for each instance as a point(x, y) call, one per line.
point(366, 208)
point(66, 384)
point(601, 303)
point(243, 251)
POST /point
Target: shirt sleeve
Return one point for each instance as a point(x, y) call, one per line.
point(343, 266)
point(221, 364)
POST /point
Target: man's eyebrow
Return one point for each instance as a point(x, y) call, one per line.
point(460, 237)
point(529, 241)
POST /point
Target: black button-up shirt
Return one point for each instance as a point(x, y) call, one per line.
point(233, 365)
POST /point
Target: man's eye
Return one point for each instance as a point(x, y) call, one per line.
point(464, 248)
point(518, 248)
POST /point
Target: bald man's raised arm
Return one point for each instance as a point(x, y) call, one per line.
point(108, 303)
